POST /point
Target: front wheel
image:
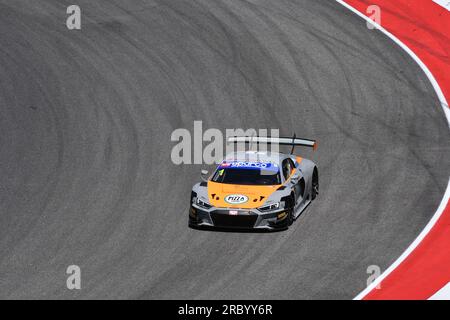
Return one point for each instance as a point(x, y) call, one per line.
point(290, 217)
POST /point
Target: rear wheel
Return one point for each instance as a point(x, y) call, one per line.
point(315, 184)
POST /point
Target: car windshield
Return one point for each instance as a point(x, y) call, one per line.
point(247, 174)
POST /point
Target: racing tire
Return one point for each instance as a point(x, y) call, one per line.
point(290, 217)
point(315, 185)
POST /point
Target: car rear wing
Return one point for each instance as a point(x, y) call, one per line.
point(282, 141)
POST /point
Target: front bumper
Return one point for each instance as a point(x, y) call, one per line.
point(232, 218)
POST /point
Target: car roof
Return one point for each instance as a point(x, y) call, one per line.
point(257, 156)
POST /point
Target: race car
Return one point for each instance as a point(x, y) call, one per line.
point(255, 189)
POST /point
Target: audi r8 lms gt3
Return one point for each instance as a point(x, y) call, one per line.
point(255, 190)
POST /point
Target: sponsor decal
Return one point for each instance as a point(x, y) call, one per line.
point(249, 165)
point(236, 199)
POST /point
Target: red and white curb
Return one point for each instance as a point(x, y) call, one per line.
point(443, 3)
point(394, 282)
point(443, 294)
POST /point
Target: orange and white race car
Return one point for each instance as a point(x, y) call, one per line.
point(255, 190)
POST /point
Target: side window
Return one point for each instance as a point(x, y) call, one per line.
point(291, 165)
point(287, 166)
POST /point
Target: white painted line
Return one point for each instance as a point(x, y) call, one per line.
point(446, 109)
point(443, 294)
point(443, 3)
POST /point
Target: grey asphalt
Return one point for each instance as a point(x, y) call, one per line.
point(85, 122)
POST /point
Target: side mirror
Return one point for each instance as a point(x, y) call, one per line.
point(204, 175)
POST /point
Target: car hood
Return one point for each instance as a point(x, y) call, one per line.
point(238, 196)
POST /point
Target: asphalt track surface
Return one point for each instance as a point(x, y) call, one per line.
point(85, 124)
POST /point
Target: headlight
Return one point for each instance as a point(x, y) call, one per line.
point(270, 207)
point(203, 204)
